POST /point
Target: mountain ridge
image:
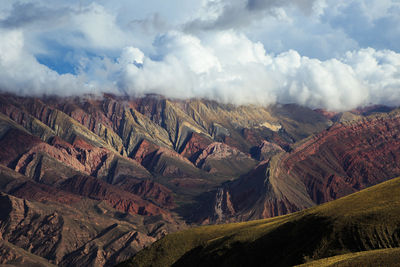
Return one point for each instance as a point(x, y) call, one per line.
point(165, 164)
point(363, 221)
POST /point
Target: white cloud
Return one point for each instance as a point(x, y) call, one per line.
point(313, 53)
point(235, 70)
point(21, 73)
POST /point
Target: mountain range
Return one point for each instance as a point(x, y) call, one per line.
point(93, 180)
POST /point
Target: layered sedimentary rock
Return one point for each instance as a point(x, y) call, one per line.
point(119, 199)
point(67, 235)
point(150, 190)
point(344, 159)
point(143, 163)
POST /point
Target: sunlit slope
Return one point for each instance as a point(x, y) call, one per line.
point(367, 220)
point(371, 258)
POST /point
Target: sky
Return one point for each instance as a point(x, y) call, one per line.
point(332, 54)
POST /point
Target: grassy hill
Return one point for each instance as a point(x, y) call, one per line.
point(365, 221)
point(371, 258)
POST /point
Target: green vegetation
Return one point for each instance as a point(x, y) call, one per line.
point(371, 258)
point(364, 221)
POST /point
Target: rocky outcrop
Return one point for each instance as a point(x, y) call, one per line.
point(256, 195)
point(194, 145)
point(27, 110)
point(26, 153)
point(113, 245)
point(58, 160)
point(164, 161)
point(144, 152)
point(223, 159)
point(266, 150)
point(22, 225)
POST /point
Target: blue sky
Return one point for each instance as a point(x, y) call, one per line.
point(321, 53)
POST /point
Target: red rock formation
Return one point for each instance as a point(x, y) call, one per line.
point(347, 158)
point(43, 193)
point(119, 199)
point(218, 151)
point(88, 113)
point(85, 161)
point(253, 196)
point(163, 161)
point(144, 150)
point(69, 236)
point(194, 146)
point(24, 152)
point(151, 106)
point(249, 197)
point(89, 157)
point(150, 190)
point(341, 160)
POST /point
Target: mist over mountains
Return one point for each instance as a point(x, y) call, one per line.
point(241, 52)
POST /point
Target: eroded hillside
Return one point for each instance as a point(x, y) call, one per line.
point(106, 176)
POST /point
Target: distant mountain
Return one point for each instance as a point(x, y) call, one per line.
point(345, 158)
point(120, 172)
point(367, 222)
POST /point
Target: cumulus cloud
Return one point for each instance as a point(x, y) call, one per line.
point(308, 52)
point(231, 68)
point(21, 73)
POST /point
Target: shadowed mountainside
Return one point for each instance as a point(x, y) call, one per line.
point(364, 221)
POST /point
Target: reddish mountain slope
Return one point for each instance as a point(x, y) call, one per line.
point(341, 160)
point(68, 235)
point(119, 199)
point(147, 161)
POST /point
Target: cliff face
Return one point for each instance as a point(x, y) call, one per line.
point(149, 164)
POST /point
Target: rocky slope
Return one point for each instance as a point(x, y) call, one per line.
point(343, 159)
point(150, 164)
point(88, 232)
point(366, 222)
